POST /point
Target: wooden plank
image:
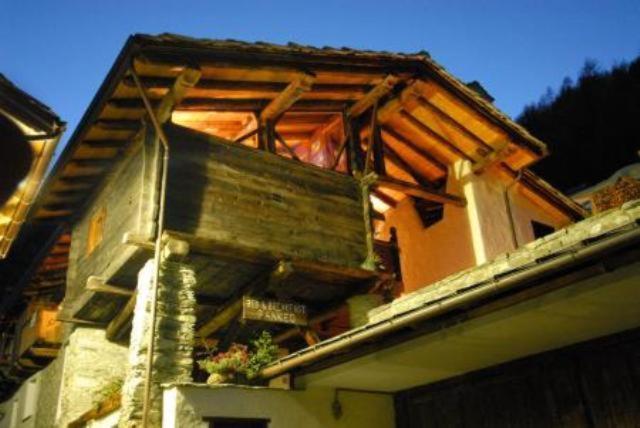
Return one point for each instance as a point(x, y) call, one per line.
point(405, 166)
point(373, 96)
point(306, 212)
point(124, 317)
point(99, 285)
point(187, 79)
point(493, 158)
point(221, 319)
point(407, 100)
point(419, 191)
point(44, 352)
point(286, 98)
point(426, 129)
point(453, 123)
point(423, 153)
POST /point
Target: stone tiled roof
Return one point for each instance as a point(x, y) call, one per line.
point(564, 240)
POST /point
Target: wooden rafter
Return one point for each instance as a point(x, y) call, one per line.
point(373, 96)
point(99, 285)
point(492, 158)
point(424, 103)
point(385, 198)
point(425, 129)
point(406, 167)
point(232, 310)
point(419, 191)
point(286, 98)
point(187, 79)
point(423, 153)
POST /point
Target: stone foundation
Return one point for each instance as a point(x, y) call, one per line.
point(90, 363)
point(174, 337)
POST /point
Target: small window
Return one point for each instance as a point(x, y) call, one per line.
point(541, 230)
point(96, 230)
point(429, 212)
point(237, 423)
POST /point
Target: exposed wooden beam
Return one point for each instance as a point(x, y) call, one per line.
point(221, 318)
point(116, 326)
point(285, 145)
point(406, 167)
point(420, 151)
point(373, 96)
point(385, 198)
point(407, 100)
point(454, 124)
point(104, 144)
point(233, 309)
point(235, 105)
point(91, 162)
point(250, 85)
point(419, 191)
point(118, 124)
point(492, 158)
point(98, 284)
point(425, 129)
point(287, 98)
point(187, 79)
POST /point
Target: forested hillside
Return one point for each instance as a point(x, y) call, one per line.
point(592, 126)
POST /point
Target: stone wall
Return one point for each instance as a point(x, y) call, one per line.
point(91, 362)
point(173, 342)
point(49, 394)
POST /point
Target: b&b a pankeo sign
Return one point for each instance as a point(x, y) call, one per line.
point(273, 311)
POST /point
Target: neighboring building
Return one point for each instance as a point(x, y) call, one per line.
point(375, 190)
point(29, 133)
point(623, 185)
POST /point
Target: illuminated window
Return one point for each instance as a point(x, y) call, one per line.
point(96, 229)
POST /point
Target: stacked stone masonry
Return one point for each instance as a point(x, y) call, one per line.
point(173, 339)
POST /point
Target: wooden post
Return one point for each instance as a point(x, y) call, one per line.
point(355, 153)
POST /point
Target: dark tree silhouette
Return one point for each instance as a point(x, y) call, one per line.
point(592, 127)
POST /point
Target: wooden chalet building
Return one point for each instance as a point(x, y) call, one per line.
point(386, 199)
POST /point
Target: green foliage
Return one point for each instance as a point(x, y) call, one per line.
point(264, 353)
point(108, 390)
point(591, 126)
point(238, 359)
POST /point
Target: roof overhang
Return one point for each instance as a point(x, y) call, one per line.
point(431, 118)
point(595, 307)
point(41, 130)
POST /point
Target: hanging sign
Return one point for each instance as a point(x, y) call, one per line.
point(273, 311)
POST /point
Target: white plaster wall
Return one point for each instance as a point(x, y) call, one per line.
point(21, 410)
point(185, 405)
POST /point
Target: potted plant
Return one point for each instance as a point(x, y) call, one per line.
point(239, 362)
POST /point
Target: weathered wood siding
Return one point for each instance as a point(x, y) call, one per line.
point(122, 198)
point(596, 384)
point(251, 200)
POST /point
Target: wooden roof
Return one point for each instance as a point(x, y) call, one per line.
point(42, 130)
point(429, 119)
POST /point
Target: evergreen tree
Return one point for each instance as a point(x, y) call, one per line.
point(592, 127)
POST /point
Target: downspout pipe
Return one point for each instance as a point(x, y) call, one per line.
point(368, 332)
point(157, 251)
